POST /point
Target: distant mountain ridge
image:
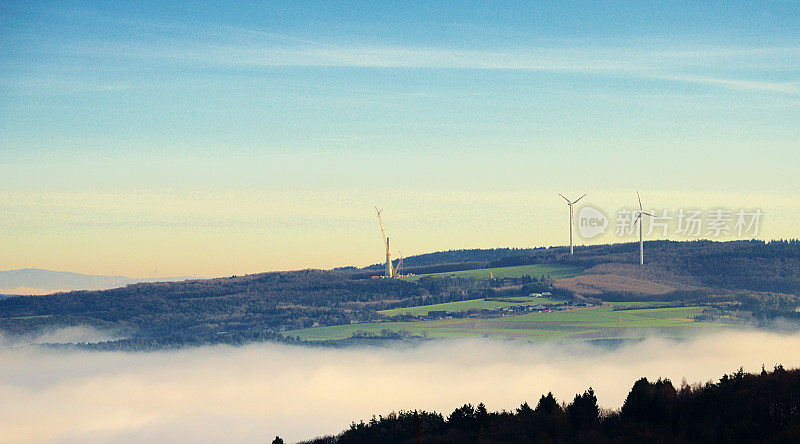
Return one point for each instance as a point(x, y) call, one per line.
point(39, 281)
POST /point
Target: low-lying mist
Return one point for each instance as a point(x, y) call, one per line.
point(252, 393)
point(68, 335)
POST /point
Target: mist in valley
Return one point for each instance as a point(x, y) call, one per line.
point(68, 335)
point(252, 393)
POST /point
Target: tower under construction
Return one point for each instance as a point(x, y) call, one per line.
point(389, 270)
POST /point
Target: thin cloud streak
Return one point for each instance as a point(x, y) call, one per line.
point(236, 46)
point(656, 65)
point(792, 88)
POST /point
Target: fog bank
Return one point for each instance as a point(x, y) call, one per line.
point(252, 393)
point(67, 335)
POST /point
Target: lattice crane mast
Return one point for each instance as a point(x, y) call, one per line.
point(389, 270)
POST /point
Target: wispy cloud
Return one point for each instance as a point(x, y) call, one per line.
point(236, 30)
point(614, 62)
point(226, 46)
point(737, 84)
point(247, 55)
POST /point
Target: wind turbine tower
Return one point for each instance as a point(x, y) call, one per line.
point(571, 203)
point(389, 270)
point(639, 219)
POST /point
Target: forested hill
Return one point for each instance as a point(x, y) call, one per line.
point(234, 305)
point(756, 278)
point(661, 252)
point(738, 265)
point(741, 407)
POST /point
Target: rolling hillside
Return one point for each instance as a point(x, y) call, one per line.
point(742, 283)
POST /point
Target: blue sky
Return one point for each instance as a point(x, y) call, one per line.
point(116, 114)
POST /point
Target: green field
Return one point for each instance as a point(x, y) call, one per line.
point(421, 310)
point(637, 304)
point(579, 324)
point(554, 271)
point(573, 325)
point(32, 317)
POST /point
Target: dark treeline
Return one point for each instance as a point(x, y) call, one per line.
point(458, 256)
point(694, 296)
point(179, 340)
point(741, 407)
point(425, 269)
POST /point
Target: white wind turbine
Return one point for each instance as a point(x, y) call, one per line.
point(570, 203)
point(639, 219)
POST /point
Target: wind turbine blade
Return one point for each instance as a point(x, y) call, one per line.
point(647, 214)
point(564, 198)
point(640, 200)
point(573, 203)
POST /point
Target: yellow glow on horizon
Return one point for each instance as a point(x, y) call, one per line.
point(225, 233)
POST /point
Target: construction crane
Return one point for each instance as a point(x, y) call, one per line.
point(389, 270)
point(398, 271)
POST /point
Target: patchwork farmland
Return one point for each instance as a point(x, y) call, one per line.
point(579, 324)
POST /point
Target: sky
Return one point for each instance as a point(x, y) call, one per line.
point(217, 139)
